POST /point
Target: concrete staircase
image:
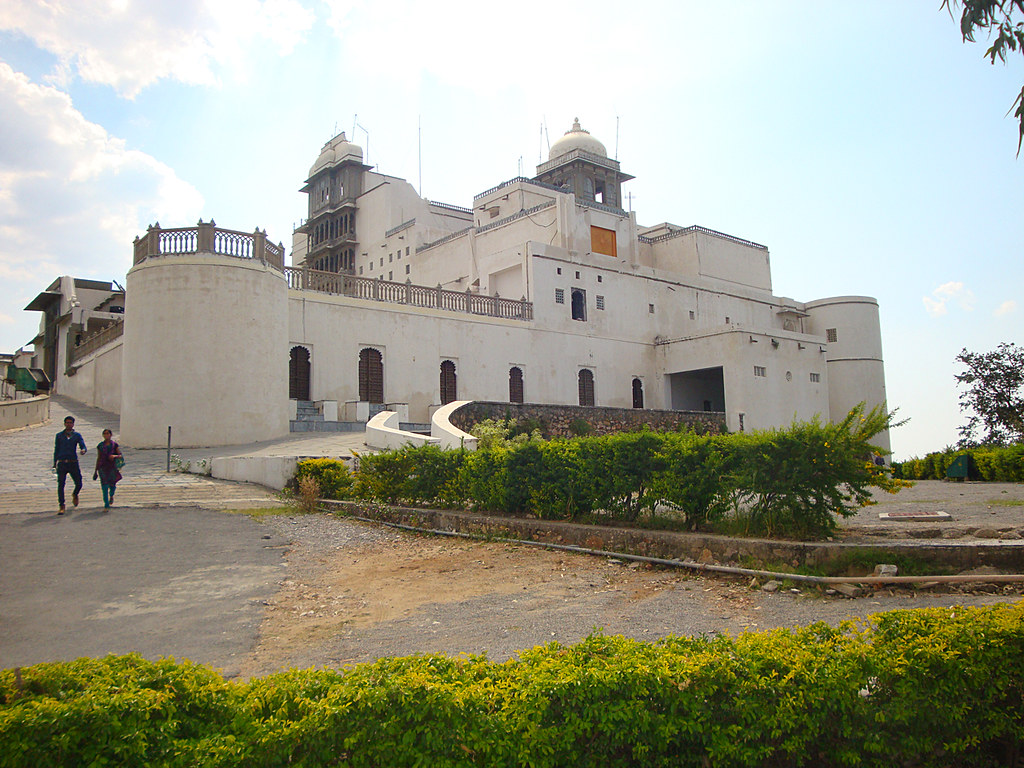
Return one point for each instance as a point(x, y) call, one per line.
point(309, 419)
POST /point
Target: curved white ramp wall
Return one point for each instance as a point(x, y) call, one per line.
point(205, 352)
point(447, 434)
point(382, 431)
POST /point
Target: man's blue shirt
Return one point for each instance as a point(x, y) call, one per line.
point(65, 445)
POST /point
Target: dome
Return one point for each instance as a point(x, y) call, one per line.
point(576, 138)
point(336, 150)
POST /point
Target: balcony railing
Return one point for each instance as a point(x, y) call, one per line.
point(208, 238)
point(97, 340)
point(375, 289)
point(704, 230)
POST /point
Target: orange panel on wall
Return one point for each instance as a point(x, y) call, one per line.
point(603, 241)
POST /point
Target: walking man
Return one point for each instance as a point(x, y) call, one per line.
point(66, 449)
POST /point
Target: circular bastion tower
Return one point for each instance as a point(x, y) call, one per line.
point(853, 337)
point(205, 340)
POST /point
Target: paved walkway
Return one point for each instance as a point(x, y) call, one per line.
point(27, 483)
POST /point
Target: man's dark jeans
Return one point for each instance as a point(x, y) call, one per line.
point(67, 467)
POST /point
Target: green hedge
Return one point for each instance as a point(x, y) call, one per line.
point(792, 481)
point(934, 687)
point(1004, 465)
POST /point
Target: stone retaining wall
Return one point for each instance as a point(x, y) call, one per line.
point(674, 545)
point(558, 420)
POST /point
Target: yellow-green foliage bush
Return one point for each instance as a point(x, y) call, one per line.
point(331, 475)
point(928, 688)
point(999, 464)
point(792, 481)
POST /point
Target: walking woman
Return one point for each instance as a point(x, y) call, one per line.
point(107, 455)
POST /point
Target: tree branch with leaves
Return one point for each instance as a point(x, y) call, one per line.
point(996, 17)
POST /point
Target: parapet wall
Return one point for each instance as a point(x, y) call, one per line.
point(559, 420)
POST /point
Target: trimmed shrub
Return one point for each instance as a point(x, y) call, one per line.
point(331, 475)
point(929, 688)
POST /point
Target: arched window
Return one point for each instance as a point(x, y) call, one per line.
point(638, 393)
point(371, 375)
point(586, 382)
point(449, 389)
point(515, 384)
point(298, 374)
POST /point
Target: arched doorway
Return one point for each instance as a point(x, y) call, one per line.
point(449, 382)
point(298, 373)
point(586, 385)
point(515, 384)
point(638, 393)
point(371, 375)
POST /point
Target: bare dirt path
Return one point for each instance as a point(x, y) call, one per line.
point(355, 592)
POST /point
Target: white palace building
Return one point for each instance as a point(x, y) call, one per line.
point(545, 290)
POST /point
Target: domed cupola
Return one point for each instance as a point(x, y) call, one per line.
point(579, 163)
point(334, 151)
point(577, 138)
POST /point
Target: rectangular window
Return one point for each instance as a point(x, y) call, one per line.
point(391, 257)
point(391, 275)
point(382, 261)
point(603, 241)
point(407, 250)
point(816, 377)
point(831, 336)
point(760, 370)
point(559, 296)
point(577, 275)
point(650, 309)
point(558, 270)
point(371, 266)
point(407, 269)
point(693, 315)
point(360, 270)
point(726, 319)
point(600, 279)
point(600, 302)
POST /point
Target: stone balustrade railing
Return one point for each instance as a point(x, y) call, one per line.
point(208, 238)
point(99, 339)
point(376, 289)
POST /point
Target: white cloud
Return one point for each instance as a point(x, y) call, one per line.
point(937, 304)
point(130, 44)
point(72, 197)
point(1008, 307)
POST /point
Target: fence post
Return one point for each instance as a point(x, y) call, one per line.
point(259, 245)
point(205, 237)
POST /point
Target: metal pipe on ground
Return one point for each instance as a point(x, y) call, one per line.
point(995, 578)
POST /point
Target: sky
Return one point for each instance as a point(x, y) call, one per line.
point(863, 142)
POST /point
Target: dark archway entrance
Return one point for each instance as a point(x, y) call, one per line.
point(638, 393)
point(586, 386)
point(449, 382)
point(298, 374)
point(371, 375)
point(515, 384)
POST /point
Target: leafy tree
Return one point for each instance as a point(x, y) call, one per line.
point(994, 392)
point(995, 17)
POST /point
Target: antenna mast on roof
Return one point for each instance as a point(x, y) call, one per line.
point(616, 138)
point(419, 150)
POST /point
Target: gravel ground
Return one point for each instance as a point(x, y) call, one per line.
point(354, 592)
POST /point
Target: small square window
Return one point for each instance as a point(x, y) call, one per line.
point(816, 377)
point(831, 335)
point(600, 302)
point(559, 296)
point(760, 371)
point(577, 275)
point(693, 315)
point(650, 309)
point(727, 321)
